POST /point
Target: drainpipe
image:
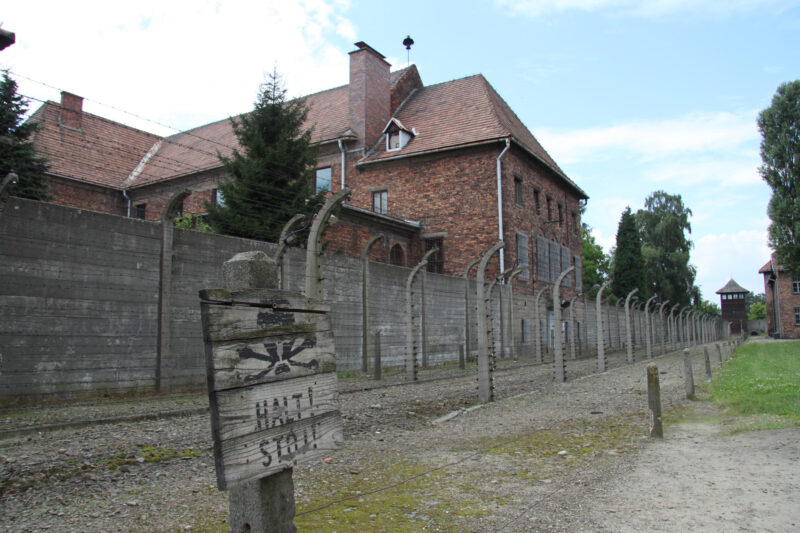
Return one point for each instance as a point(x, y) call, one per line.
point(500, 201)
point(125, 195)
point(341, 149)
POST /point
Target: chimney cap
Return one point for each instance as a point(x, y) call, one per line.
point(364, 46)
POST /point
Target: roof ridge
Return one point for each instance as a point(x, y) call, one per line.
point(488, 91)
point(102, 119)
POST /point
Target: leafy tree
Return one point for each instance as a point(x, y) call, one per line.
point(757, 311)
point(780, 153)
point(628, 273)
point(663, 226)
point(595, 262)
point(17, 153)
point(272, 177)
point(709, 308)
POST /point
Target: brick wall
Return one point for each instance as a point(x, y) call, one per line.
point(788, 302)
point(73, 193)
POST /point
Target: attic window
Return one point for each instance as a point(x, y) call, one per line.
point(396, 136)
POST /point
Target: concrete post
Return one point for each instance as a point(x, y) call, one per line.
point(462, 364)
point(628, 331)
point(468, 309)
point(558, 346)
point(510, 282)
point(688, 376)
point(538, 323)
point(492, 339)
point(719, 353)
point(286, 238)
point(648, 329)
point(423, 315)
point(684, 322)
point(708, 364)
point(663, 328)
point(5, 187)
point(411, 346)
point(673, 330)
point(601, 348)
point(263, 505)
point(654, 402)
point(164, 334)
point(365, 300)
point(617, 310)
point(572, 335)
point(377, 364)
point(313, 247)
point(503, 276)
point(485, 385)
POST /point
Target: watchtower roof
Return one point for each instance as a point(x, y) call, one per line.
point(731, 287)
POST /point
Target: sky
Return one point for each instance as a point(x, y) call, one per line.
point(628, 97)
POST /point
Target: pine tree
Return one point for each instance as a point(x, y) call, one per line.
point(17, 153)
point(272, 178)
point(628, 273)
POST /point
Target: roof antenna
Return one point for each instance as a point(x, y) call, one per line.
point(407, 42)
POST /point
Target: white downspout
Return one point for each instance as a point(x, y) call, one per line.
point(341, 149)
point(500, 203)
point(125, 195)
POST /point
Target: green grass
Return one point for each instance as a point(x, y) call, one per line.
point(762, 380)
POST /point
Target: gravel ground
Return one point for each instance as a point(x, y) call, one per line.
point(152, 469)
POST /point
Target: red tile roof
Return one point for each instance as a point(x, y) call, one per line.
point(102, 151)
point(460, 113)
point(771, 266)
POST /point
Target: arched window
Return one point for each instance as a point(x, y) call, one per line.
point(397, 256)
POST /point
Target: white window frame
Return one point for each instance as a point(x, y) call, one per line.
point(322, 170)
point(382, 207)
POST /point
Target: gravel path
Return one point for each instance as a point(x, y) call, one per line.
point(483, 470)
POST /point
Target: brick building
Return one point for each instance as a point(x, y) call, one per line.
point(447, 165)
point(732, 304)
point(782, 290)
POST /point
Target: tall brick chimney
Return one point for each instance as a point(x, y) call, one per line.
point(370, 94)
point(71, 110)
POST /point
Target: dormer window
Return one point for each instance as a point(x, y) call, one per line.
point(397, 135)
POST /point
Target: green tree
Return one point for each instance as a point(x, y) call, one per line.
point(628, 272)
point(664, 226)
point(17, 153)
point(710, 308)
point(595, 263)
point(780, 153)
point(757, 311)
point(272, 177)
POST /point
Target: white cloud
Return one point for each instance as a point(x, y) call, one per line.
point(727, 173)
point(648, 140)
point(640, 8)
point(159, 59)
point(719, 257)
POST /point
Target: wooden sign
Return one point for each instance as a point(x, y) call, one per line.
point(271, 369)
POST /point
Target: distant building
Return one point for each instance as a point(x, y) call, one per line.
point(782, 290)
point(732, 303)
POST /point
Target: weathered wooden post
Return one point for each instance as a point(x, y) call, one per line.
point(271, 370)
point(654, 402)
point(411, 331)
point(538, 323)
point(601, 348)
point(365, 300)
point(708, 364)
point(628, 331)
point(164, 333)
point(377, 364)
point(485, 384)
point(286, 238)
point(688, 376)
point(558, 345)
point(468, 308)
point(648, 329)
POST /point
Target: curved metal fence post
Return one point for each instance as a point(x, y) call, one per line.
point(663, 328)
point(648, 329)
point(558, 344)
point(673, 330)
point(313, 278)
point(164, 335)
point(629, 332)
point(573, 353)
point(513, 273)
point(601, 348)
point(485, 385)
point(284, 241)
point(468, 310)
point(411, 352)
point(365, 300)
point(538, 324)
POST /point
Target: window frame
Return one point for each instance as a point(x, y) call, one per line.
point(317, 188)
point(795, 285)
point(140, 211)
point(435, 261)
point(519, 197)
point(536, 201)
point(526, 273)
point(383, 202)
point(797, 316)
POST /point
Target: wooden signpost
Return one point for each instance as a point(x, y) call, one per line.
point(271, 371)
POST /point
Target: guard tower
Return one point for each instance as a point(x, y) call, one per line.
point(734, 310)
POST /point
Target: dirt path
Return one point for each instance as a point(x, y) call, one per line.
point(702, 479)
